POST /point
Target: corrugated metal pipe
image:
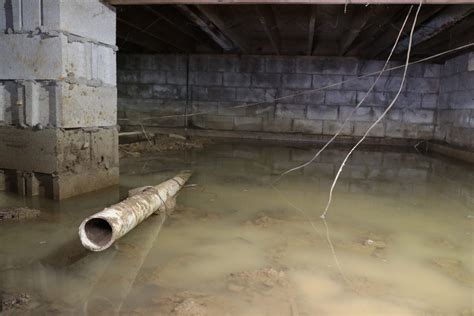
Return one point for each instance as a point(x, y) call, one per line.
point(99, 231)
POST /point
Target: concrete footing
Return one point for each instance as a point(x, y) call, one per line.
point(58, 163)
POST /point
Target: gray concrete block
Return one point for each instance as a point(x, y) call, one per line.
point(297, 81)
point(217, 122)
point(340, 66)
point(152, 77)
point(277, 125)
point(462, 100)
point(170, 92)
point(280, 64)
point(264, 80)
point(128, 76)
point(322, 112)
point(363, 114)
point(290, 110)
point(271, 95)
point(232, 79)
point(381, 99)
point(418, 116)
point(309, 65)
point(221, 94)
point(308, 126)
point(394, 129)
point(408, 100)
point(198, 63)
point(422, 85)
point(328, 82)
point(206, 78)
point(106, 69)
point(176, 77)
point(360, 128)
point(425, 132)
point(357, 83)
point(389, 84)
point(91, 19)
point(230, 109)
point(245, 123)
point(250, 64)
point(301, 97)
point(340, 97)
point(136, 90)
point(250, 95)
point(461, 118)
point(41, 58)
point(169, 63)
point(332, 127)
point(199, 93)
point(394, 115)
point(84, 106)
point(222, 63)
point(205, 107)
point(470, 62)
point(432, 71)
point(429, 101)
point(367, 67)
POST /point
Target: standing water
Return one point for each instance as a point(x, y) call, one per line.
point(397, 239)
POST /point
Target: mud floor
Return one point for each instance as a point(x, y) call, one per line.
point(396, 241)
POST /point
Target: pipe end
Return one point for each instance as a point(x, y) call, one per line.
point(96, 234)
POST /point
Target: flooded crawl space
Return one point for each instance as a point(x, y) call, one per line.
point(397, 241)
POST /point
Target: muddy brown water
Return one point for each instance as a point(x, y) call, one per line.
point(400, 228)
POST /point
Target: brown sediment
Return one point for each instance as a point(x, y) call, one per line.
point(162, 144)
point(18, 213)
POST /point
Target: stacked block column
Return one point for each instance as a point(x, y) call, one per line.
point(58, 97)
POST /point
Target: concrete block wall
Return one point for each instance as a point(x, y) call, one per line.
point(151, 86)
point(58, 96)
point(455, 116)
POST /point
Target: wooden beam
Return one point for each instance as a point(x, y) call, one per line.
point(128, 34)
point(442, 21)
point(385, 43)
point(179, 22)
point(267, 19)
point(375, 28)
point(140, 2)
point(311, 30)
point(211, 13)
point(357, 24)
point(146, 22)
point(207, 27)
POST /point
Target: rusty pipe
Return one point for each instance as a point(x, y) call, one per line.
point(99, 231)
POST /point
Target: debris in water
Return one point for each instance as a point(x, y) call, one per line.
point(14, 301)
point(162, 144)
point(18, 213)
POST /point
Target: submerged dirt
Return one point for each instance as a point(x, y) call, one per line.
point(397, 240)
point(18, 213)
point(160, 144)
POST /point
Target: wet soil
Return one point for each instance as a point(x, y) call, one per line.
point(18, 213)
point(161, 144)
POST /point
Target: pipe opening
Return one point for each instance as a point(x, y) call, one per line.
point(98, 231)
